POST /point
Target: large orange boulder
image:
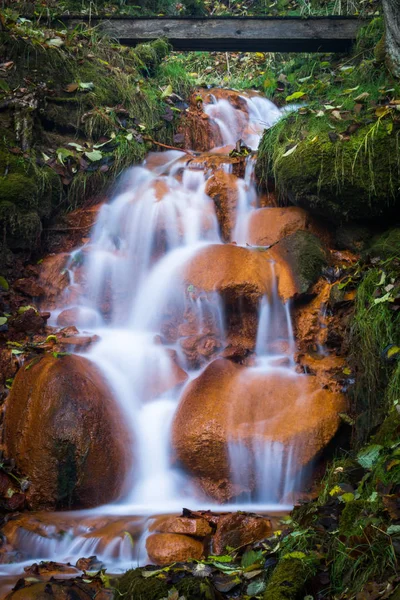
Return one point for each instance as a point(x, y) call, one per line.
point(239, 277)
point(65, 434)
point(232, 271)
point(269, 225)
point(232, 403)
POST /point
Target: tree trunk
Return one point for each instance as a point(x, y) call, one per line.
point(391, 9)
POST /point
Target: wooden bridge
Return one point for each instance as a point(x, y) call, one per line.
point(236, 34)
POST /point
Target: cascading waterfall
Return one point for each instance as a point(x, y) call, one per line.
point(159, 219)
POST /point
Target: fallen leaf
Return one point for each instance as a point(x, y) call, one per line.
point(71, 87)
point(290, 151)
point(362, 97)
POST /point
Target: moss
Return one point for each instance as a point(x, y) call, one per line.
point(67, 474)
point(352, 237)
point(16, 184)
point(306, 257)
point(374, 327)
point(287, 581)
point(21, 229)
point(133, 586)
point(195, 589)
point(348, 523)
point(149, 56)
point(389, 431)
point(386, 245)
point(341, 180)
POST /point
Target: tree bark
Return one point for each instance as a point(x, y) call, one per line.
point(391, 9)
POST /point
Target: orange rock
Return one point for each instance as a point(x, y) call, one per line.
point(53, 278)
point(269, 225)
point(198, 131)
point(307, 319)
point(65, 434)
point(232, 402)
point(238, 529)
point(240, 277)
point(29, 287)
point(165, 548)
point(222, 188)
point(234, 98)
point(71, 316)
point(184, 525)
point(231, 270)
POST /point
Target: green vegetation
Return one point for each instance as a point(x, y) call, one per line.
point(198, 7)
point(337, 153)
point(80, 108)
point(375, 334)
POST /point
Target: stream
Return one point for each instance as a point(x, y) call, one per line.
point(159, 330)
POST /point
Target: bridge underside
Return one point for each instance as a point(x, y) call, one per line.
point(235, 34)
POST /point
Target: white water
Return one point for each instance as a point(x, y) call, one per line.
point(159, 218)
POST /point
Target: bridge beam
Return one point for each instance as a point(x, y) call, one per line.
point(236, 34)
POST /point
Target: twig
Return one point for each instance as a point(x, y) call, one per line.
point(149, 139)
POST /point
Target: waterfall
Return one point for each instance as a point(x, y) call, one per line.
point(135, 298)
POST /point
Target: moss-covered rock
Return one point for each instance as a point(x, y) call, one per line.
point(351, 513)
point(19, 189)
point(287, 581)
point(21, 229)
point(306, 257)
point(389, 431)
point(386, 245)
point(353, 179)
point(352, 237)
point(133, 585)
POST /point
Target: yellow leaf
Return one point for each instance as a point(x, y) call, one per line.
point(382, 111)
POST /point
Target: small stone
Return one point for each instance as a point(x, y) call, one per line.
point(165, 548)
point(184, 525)
point(238, 529)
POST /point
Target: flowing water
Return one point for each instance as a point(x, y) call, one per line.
point(158, 220)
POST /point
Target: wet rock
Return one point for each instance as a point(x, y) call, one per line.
point(29, 287)
point(29, 322)
point(232, 271)
point(238, 529)
point(352, 237)
point(53, 278)
point(26, 531)
point(269, 225)
point(309, 324)
point(198, 131)
point(306, 257)
point(184, 525)
point(165, 548)
point(237, 278)
point(232, 402)
point(198, 348)
point(59, 590)
point(72, 316)
point(89, 564)
point(222, 188)
point(8, 365)
point(65, 433)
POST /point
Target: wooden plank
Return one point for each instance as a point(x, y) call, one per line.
point(246, 34)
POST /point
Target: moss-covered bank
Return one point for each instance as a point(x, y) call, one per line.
point(76, 109)
point(337, 152)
